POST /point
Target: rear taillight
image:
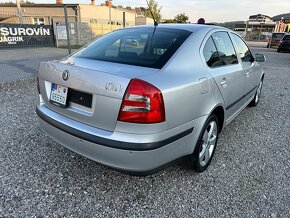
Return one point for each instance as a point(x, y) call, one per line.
point(37, 83)
point(142, 103)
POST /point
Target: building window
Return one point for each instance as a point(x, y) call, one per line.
point(41, 21)
point(38, 20)
point(35, 20)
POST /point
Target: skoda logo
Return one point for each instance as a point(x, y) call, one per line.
point(65, 75)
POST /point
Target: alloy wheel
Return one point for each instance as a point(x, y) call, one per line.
point(209, 140)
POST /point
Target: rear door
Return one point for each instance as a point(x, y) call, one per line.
point(223, 65)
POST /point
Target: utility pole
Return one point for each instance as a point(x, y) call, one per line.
point(19, 11)
point(260, 33)
point(110, 11)
point(67, 30)
point(124, 19)
point(246, 30)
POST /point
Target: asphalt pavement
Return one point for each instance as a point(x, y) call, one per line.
point(21, 63)
point(248, 177)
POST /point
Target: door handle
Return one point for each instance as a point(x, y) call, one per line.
point(224, 83)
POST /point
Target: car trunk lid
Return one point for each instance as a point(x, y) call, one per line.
point(95, 89)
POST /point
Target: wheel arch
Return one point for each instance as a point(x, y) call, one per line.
point(220, 113)
point(262, 77)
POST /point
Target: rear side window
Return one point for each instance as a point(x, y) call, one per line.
point(286, 37)
point(210, 54)
point(146, 47)
point(242, 49)
point(225, 48)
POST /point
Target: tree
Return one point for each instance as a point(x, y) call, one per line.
point(29, 2)
point(7, 3)
point(170, 21)
point(181, 18)
point(156, 11)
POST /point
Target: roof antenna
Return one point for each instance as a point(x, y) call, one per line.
point(149, 8)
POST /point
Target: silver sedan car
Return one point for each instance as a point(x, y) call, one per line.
point(139, 98)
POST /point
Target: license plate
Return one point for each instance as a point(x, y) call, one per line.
point(58, 95)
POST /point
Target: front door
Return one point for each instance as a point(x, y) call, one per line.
point(250, 67)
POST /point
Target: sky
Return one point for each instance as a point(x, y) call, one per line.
point(210, 10)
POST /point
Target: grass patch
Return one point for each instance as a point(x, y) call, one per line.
point(140, 196)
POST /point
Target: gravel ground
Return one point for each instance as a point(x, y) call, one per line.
point(249, 175)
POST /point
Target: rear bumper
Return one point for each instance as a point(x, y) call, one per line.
point(129, 152)
point(102, 140)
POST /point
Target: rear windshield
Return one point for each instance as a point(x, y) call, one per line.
point(146, 47)
point(277, 36)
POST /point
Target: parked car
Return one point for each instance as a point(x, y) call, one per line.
point(284, 44)
point(140, 109)
point(275, 39)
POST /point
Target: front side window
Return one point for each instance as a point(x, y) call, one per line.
point(147, 47)
point(225, 48)
point(210, 54)
point(242, 49)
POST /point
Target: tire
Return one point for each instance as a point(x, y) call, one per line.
point(205, 146)
point(257, 97)
point(278, 50)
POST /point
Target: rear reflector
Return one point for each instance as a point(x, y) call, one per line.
point(142, 103)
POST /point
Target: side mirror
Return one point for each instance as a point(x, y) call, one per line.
point(260, 57)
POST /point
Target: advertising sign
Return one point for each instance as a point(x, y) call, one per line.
point(61, 32)
point(23, 35)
